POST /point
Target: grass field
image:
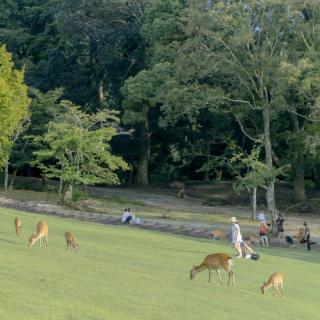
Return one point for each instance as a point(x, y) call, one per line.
point(126, 273)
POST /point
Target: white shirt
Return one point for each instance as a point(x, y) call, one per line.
point(261, 216)
point(236, 235)
point(125, 215)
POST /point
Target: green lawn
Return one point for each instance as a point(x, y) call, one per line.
point(127, 273)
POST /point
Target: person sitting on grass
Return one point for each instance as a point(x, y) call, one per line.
point(127, 216)
point(134, 219)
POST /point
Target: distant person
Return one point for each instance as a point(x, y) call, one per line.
point(280, 222)
point(237, 238)
point(134, 219)
point(261, 216)
point(307, 235)
point(127, 216)
point(263, 233)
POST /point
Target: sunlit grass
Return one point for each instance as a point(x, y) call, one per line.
point(125, 273)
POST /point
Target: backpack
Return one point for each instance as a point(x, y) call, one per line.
point(255, 256)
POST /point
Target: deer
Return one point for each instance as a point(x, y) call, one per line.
point(218, 234)
point(274, 281)
point(71, 241)
point(215, 261)
point(42, 232)
point(18, 225)
point(252, 238)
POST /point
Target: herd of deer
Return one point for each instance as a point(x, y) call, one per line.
point(211, 262)
point(42, 234)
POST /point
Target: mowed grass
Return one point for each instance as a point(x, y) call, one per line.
point(127, 273)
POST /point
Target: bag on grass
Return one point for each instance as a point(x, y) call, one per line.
point(255, 256)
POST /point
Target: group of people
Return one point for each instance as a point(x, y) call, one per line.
point(129, 217)
point(242, 246)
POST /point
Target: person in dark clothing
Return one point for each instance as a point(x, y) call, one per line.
point(280, 222)
point(307, 235)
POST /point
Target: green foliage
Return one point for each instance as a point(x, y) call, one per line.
point(77, 147)
point(14, 103)
point(251, 172)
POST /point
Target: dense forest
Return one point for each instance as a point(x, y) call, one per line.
point(154, 91)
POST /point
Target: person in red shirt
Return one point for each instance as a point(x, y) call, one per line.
point(263, 233)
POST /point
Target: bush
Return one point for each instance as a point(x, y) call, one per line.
point(78, 195)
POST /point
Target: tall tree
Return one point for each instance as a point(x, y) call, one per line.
point(14, 103)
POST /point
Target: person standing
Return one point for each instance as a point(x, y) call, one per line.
point(263, 233)
point(236, 236)
point(307, 235)
point(280, 222)
point(261, 216)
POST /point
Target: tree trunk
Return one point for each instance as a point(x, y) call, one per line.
point(12, 179)
point(6, 176)
point(142, 171)
point(68, 191)
point(254, 204)
point(298, 166)
point(206, 175)
point(60, 186)
point(270, 196)
point(143, 162)
point(85, 189)
point(316, 174)
point(44, 182)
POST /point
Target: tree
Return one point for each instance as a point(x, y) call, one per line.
point(78, 149)
point(252, 173)
point(14, 103)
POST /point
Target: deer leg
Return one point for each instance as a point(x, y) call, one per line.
point(274, 290)
point(281, 287)
point(277, 290)
point(209, 275)
point(46, 242)
point(231, 275)
point(218, 273)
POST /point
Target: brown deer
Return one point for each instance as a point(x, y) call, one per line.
point(42, 232)
point(18, 225)
point(71, 241)
point(274, 281)
point(252, 238)
point(218, 234)
point(215, 261)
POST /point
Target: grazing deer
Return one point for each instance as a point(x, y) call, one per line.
point(215, 261)
point(274, 281)
point(252, 238)
point(71, 241)
point(18, 225)
point(42, 232)
point(218, 234)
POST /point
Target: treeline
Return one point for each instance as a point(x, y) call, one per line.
point(203, 89)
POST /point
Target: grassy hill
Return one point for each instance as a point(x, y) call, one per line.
point(125, 273)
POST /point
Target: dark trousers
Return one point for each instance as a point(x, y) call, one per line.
point(128, 219)
point(308, 242)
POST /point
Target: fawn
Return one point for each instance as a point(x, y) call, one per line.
point(18, 225)
point(71, 241)
point(215, 261)
point(42, 232)
point(218, 234)
point(274, 281)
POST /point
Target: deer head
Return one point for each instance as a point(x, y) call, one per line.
point(32, 240)
point(193, 272)
point(263, 289)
